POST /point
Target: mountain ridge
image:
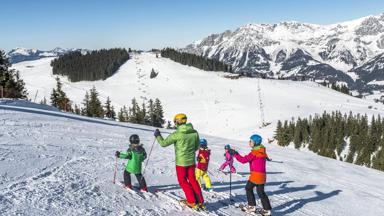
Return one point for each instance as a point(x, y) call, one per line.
point(267, 49)
point(20, 54)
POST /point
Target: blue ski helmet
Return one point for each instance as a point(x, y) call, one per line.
point(203, 142)
point(256, 139)
point(227, 146)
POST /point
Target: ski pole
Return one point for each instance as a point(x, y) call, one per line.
point(149, 155)
point(230, 188)
point(273, 161)
point(210, 173)
point(114, 175)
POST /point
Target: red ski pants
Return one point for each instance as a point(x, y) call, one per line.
point(189, 184)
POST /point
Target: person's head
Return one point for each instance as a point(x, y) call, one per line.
point(203, 143)
point(255, 140)
point(180, 119)
point(227, 147)
point(134, 139)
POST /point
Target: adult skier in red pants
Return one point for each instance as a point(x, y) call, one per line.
point(186, 142)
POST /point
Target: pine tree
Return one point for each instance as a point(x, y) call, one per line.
point(120, 115)
point(279, 133)
point(143, 118)
point(77, 110)
point(113, 113)
point(95, 107)
point(59, 98)
point(134, 112)
point(11, 86)
point(151, 113)
point(123, 115)
point(86, 111)
point(109, 110)
point(54, 98)
point(158, 114)
point(298, 134)
point(153, 74)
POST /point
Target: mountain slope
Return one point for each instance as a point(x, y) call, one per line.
point(22, 54)
point(266, 48)
point(217, 105)
point(57, 164)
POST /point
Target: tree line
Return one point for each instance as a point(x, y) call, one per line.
point(92, 66)
point(150, 113)
point(11, 85)
point(195, 60)
point(343, 88)
point(350, 138)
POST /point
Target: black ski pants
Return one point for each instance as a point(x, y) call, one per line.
point(139, 177)
point(260, 192)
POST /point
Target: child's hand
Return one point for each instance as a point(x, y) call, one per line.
point(117, 154)
point(157, 133)
point(233, 152)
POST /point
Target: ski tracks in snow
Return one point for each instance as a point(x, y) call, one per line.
point(141, 79)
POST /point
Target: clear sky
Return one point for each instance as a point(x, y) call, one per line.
point(145, 24)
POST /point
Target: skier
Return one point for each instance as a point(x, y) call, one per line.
point(228, 160)
point(202, 165)
point(186, 142)
point(257, 160)
point(136, 155)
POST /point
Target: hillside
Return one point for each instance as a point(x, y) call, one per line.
point(295, 50)
point(216, 105)
point(55, 163)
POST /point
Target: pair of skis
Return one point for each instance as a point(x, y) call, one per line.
point(179, 201)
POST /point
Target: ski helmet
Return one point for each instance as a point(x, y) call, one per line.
point(227, 146)
point(256, 139)
point(134, 139)
point(180, 118)
point(203, 143)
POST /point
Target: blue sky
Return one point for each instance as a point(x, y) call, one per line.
point(145, 24)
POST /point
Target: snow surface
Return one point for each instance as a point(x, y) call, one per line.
point(54, 163)
point(217, 106)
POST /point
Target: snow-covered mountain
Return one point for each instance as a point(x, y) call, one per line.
point(218, 106)
point(22, 54)
point(293, 49)
point(53, 163)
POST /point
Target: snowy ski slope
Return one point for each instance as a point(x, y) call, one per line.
point(54, 163)
point(218, 106)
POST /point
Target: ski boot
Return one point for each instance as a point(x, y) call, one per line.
point(264, 212)
point(248, 209)
point(190, 205)
point(128, 187)
point(202, 206)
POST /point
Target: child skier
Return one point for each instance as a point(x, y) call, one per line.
point(228, 159)
point(257, 161)
point(202, 165)
point(136, 155)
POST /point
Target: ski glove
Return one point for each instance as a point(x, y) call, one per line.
point(117, 154)
point(233, 152)
point(157, 133)
point(268, 159)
